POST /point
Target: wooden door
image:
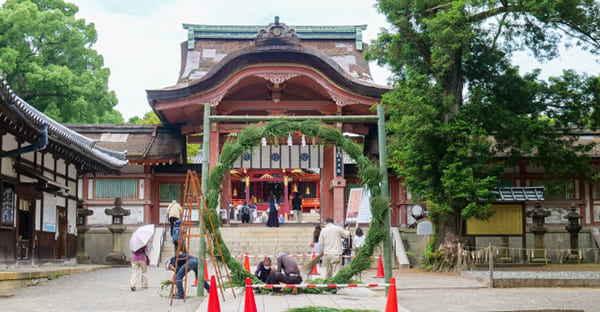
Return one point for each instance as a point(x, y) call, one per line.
point(61, 240)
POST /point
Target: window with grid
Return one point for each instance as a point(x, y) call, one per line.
point(113, 188)
point(556, 189)
point(169, 191)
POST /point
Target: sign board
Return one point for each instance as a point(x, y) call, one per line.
point(505, 220)
point(424, 228)
point(359, 206)
point(49, 213)
point(7, 208)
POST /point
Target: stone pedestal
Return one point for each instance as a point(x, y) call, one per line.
point(82, 227)
point(538, 215)
point(117, 257)
point(504, 254)
point(574, 227)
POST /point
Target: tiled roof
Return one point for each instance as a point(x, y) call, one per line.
point(520, 193)
point(11, 103)
point(142, 142)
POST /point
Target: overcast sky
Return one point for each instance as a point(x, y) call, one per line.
point(140, 39)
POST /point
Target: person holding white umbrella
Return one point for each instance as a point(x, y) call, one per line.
point(139, 260)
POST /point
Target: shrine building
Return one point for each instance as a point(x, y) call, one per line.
point(276, 71)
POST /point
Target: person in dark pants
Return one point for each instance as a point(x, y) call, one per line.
point(263, 270)
point(297, 207)
point(273, 220)
point(245, 213)
point(182, 270)
point(347, 245)
point(287, 272)
point(174, 212)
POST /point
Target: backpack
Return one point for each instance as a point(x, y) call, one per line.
point(176, 234)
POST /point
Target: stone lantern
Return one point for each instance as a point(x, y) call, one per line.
point(82, 227)
point(538, 215)
point(574, 227)
point(117, 257)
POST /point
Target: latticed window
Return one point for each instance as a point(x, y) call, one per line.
point(556, 189)
point(112, 188)
point(169, 191)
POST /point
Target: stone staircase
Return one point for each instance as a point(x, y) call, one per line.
point(255, 239)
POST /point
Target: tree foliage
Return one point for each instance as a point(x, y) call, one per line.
point(46, 56)
point(459, 101)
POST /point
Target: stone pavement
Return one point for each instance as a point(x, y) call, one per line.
point(108, 290)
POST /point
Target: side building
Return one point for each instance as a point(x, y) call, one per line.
point(41, 162)
point(153, 178)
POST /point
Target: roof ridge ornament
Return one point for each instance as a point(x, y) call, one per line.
point(277, 33)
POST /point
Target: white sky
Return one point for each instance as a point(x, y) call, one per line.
point(140, 39)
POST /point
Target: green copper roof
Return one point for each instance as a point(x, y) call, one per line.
point(251, 31)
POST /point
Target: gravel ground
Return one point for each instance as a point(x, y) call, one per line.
point(108, 290)
point(102, 290)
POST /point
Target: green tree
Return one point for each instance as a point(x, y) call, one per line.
point(46, 56)
point(456, 88)
point(149, 118)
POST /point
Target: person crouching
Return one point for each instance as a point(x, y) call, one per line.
point(287, 271)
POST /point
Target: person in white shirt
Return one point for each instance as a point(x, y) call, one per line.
point(359, 239)
point(331, 241)
point(174, 213)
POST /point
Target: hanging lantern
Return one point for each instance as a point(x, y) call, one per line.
point(295, 188)
point(247, 181)
point(307, 190)
point(285, 181)
point(235, 192)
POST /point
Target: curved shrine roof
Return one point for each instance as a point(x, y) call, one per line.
point(214, 53)
point(27, 122)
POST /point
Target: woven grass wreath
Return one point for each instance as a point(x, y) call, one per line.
point(368, 172)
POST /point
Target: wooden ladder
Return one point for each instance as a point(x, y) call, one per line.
point(195, 199)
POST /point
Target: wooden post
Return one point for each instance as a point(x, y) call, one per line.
point(387, 249)
point(458, 258)
point(204, 186)
point(491, 263)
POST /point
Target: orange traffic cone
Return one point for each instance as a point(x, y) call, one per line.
point(213, 297)
point(250, 304)
point(205, 271)
point(380, 268)
point(246, 263)
point(392, 301)
point(314, 271)
point(195, 283)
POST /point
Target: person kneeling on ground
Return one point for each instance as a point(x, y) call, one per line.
point(263, 269)
point(182, 270)
point(287, 272)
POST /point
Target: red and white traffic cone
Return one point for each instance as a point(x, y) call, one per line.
point(392, 301)
point(314, 271)
point(380, 268)
point(250, 303)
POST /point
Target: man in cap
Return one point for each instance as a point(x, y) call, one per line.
point(287, 271)
point(182, 270)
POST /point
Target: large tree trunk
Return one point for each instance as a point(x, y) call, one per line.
point(450, 242)
point(453, 83)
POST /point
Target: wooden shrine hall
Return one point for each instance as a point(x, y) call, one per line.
point(275, 70)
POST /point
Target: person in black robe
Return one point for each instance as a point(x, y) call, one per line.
point(273, 220)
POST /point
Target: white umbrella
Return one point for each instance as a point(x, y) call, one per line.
point(141, 236)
